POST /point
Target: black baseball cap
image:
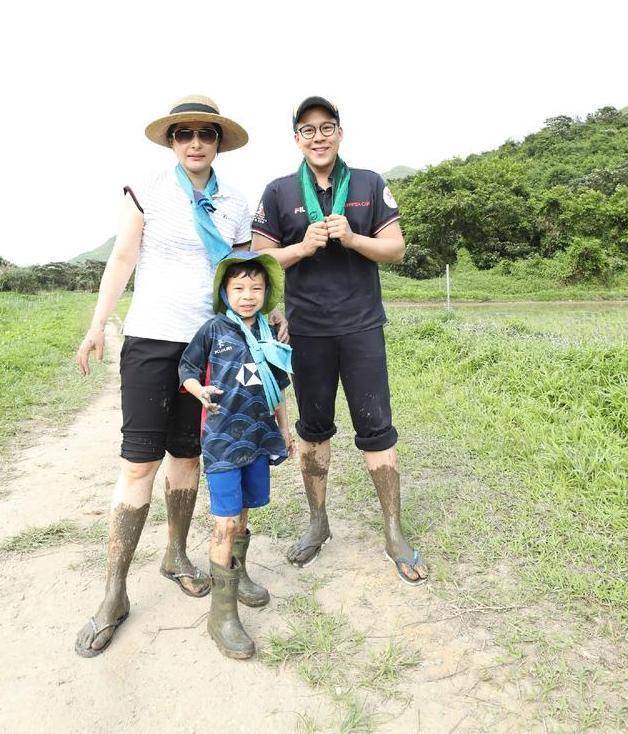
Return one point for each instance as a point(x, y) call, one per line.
point(314, 102)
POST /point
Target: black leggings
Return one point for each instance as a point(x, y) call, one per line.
point(359, 360)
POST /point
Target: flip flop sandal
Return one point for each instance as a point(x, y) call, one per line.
point(416, 558)
point(318, 547)
point(176, 577)
point(91, 652)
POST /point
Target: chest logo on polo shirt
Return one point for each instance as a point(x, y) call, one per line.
point(247, 375)
point(389, 199)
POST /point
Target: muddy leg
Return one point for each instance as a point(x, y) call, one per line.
point(249, 592)
point(384, 470)
point(315, 459)
point(221, 541)
point(223, 623)
point(180, 494)
point(130, 503)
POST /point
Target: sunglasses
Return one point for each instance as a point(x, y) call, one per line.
point(207, 135)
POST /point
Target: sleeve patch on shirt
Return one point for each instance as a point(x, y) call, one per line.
point(260, 214)
point(389, 199)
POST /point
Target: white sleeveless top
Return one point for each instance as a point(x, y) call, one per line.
point(172, 298)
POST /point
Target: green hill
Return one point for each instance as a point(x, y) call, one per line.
point(99, 253)
point(399, 172)
point(562, 190)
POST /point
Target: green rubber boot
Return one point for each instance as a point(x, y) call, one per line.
point(223, 623)
point(249, 593)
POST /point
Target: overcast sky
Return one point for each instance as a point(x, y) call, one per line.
point(415, 83)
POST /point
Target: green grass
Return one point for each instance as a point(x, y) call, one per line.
point(331, 656)
point(64, 531)
point(490, 285)
point(40, 382)
point(544, 415)
point(37, 538)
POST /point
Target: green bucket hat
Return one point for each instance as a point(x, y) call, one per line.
point(274, 292)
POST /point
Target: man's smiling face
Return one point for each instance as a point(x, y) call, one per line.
point(320, 151)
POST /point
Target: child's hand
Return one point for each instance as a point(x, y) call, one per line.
point(205, 396)
point(289, 441)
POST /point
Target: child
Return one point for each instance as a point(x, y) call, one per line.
point(235, 360)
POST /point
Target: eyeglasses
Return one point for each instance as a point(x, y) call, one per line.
point(207, 135)
point(309, 131)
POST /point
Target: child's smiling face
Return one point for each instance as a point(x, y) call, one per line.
point(246, 293)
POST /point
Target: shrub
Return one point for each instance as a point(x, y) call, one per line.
point(585, 259)
point(417, 263)
point(20, 280)
point(84, 276)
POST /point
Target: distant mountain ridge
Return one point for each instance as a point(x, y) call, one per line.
point(101, 254)
point(399, 172)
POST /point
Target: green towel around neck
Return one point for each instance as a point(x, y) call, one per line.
point(340, 177)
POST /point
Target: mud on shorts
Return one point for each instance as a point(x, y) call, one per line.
point(359, 361)
point(156, 416)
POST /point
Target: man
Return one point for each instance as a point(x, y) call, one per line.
point(329, 226)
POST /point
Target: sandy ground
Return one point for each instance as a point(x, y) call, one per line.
point(154, 679)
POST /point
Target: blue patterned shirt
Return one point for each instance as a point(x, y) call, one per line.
point(243, 429)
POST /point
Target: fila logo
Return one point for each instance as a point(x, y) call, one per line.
point(299, 210)
point(247, 375)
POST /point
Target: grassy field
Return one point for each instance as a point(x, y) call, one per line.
point(469, 284)
point(538, 401)
point(40, 382)
point(513, 423)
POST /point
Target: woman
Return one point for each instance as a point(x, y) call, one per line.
point(160, 237)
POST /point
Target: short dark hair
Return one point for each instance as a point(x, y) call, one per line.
point(251, 268)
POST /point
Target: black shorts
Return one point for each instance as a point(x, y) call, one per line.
point(359, 360)
point(156, 416)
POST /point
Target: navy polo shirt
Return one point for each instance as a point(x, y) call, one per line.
point(337, 290)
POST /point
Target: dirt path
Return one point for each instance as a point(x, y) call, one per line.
point(155, 679)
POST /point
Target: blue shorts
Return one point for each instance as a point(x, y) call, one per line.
point(231, 491)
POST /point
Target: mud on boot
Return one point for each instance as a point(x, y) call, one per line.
point(223, 623)
point(249, 593)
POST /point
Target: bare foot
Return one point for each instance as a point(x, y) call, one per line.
point(96, 634)
point(309, 545)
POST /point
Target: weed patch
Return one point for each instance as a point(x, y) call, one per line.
point(328, 654)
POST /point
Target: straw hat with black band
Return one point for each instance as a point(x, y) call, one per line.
point(196, 108)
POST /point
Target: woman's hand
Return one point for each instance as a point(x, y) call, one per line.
point(205, 396)
point(279, 321)
point(94, 341)
point(289, 441)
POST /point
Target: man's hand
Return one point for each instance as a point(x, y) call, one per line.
point(316, 236)
point(94, 340)
point(338, 228)
point(205, 396)
point(279, 321)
